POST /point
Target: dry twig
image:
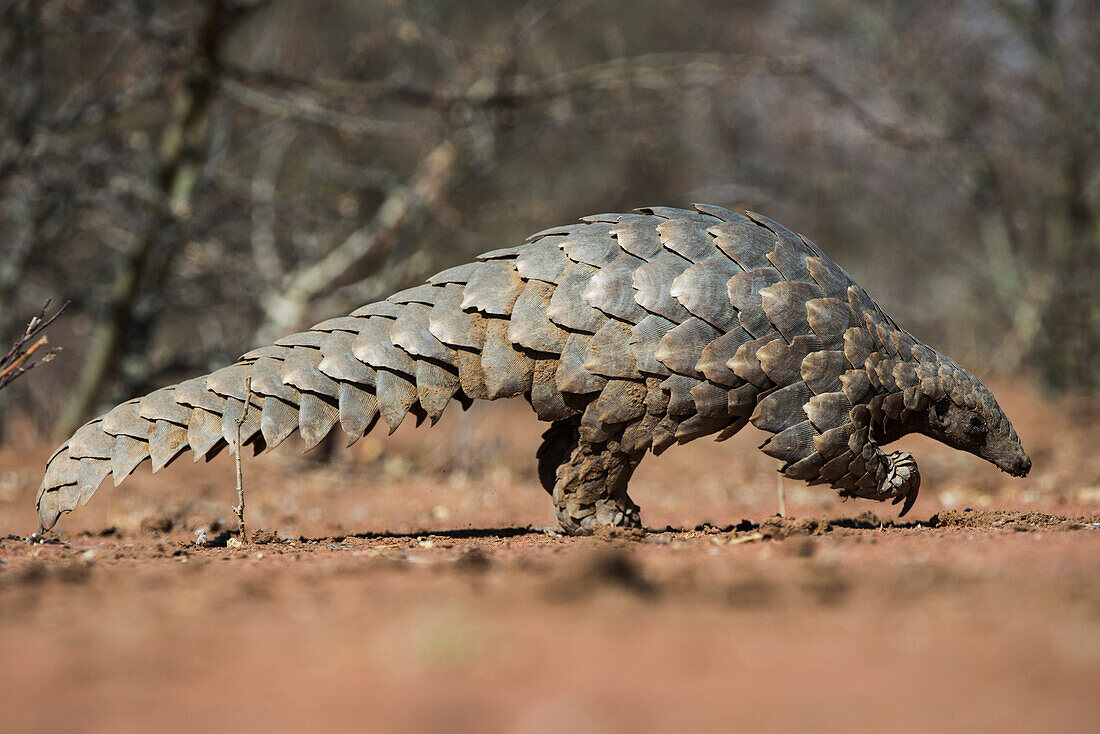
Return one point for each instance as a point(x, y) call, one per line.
point(239, 509)
point(781, 492)
point(18, 359)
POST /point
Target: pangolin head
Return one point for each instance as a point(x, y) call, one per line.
point(963, 414)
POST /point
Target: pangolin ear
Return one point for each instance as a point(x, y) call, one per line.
point(938, 412)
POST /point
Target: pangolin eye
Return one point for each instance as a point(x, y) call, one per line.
point(975, 424)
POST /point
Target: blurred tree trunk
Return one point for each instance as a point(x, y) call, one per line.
point(1069, 329)
point(20, 103)
point(1070, 325)
point(1057, 315)
point(179, 154)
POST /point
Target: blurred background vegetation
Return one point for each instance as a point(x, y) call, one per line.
point(202, 177)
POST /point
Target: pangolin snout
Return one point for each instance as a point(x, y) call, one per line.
point(1018, 465)
point(1021, 467)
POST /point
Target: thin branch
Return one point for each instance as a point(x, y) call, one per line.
point(885, 131)
point(306, 107)
point(391, 215)
point(94, 108)
point(17, 361)
point(6, 374)
point(652, 72)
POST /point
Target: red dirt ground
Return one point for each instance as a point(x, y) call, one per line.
point(409, 585)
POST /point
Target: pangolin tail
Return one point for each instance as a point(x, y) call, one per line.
point(344, 371)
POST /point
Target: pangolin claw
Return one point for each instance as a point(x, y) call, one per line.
point(903, 480)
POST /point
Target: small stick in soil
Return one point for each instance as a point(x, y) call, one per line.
point(239, 509)
point(782, 496)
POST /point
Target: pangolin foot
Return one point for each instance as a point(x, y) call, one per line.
point(577, 519)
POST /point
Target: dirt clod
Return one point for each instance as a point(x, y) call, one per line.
point(263, 537)
point(599, 570)
point(158, 524)
point(474, 559)
point(1019, 521)
point(826, 584)
point(74, 572)
point(609, 532)
point(801, 547)
point(779, 528)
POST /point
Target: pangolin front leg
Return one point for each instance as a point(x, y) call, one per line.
point(587, 480)
point(884, 476)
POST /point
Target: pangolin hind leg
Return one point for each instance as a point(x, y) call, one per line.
point(587, 481)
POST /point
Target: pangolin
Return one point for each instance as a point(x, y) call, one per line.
point(627, 332)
